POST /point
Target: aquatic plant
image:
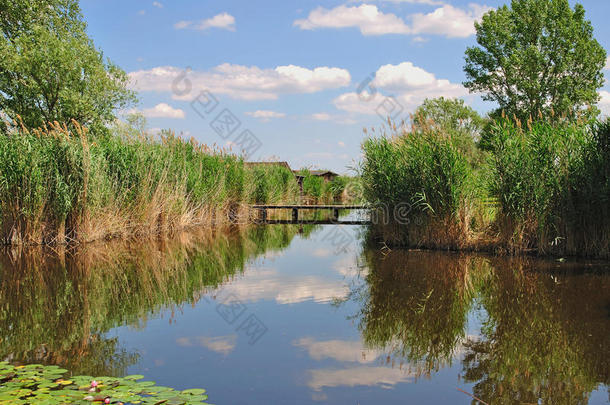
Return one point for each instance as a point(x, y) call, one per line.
point(35, 383)
point(552, 182)
point(420, 176)
point(63, 183)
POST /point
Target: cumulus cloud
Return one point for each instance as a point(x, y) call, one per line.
point(223, 21)
point(322, 252)
point(357, 376)
point(240, 82)
point(366, 17)
point(399, 88)
point(348, 267)
point(265, 115)
point(340, 350)
point(428, 2)
point(336, 118)
point(401, 76)
point(163, 110)
point(157, 4)
point(604, 102)
point(321, 117)
point(219, 344)
point(270, 284)
point(449, 21)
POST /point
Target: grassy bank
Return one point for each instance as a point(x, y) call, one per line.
point(65, 184)
point(542, 187)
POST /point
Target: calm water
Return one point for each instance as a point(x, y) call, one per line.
point(287, 315)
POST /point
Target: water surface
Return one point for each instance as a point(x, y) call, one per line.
point(314, 314)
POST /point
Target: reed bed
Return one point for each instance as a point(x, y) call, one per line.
point(60, 184)
point(544, 187)
point(552, 182)
point(423, 181)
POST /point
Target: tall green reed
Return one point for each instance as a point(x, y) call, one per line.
point(421, 177)
point(553, 185)
point(60, 183)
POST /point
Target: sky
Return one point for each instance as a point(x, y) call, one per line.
point(294, 80)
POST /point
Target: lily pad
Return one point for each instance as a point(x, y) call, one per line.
point(49, 385)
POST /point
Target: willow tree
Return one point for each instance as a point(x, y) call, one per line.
point(537, 56)
point(50, 69)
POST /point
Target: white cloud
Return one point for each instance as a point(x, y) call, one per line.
point(348, 267)
point(163, 110)
point(219, 344)
point(604, 102)
point(447, 20)
point(341, 144)
point(399, 90)
point(223, 21)
point(340, 350)
point(344, 120)
point(241, 82)
point(366, 17)
point(321, 117)
point(180, 25)
point(402, 76)
point(157, 4)
point(429, 2)
point(322, 252)
point(330, 156)
point(265, 115)
point(607, 67)
point(362, 375)
point(270, 284)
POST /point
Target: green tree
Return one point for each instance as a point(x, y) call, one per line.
point(50, 69)
point(455, 118)
point(537, 56)
point(448, 114)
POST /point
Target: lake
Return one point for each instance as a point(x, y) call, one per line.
point(289, 314)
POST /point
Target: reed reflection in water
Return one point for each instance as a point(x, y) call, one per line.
point(544, 335)
point(359, 325)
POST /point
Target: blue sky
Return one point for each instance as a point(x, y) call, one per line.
point(295, 75)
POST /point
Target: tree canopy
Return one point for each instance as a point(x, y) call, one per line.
point(50, 69)
point(449, 114)
point(537, 57)
point(453, 117)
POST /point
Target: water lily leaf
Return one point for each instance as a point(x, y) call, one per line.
point(29, 384)
point(194, 391)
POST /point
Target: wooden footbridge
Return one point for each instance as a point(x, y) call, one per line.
point(333, 208)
